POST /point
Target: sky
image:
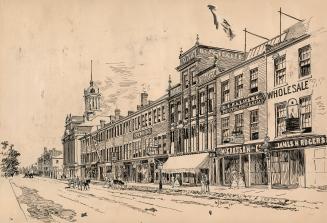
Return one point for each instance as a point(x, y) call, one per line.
point(46, 47)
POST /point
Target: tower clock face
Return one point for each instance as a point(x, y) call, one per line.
point(92, 90)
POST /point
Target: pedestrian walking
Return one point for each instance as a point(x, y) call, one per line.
point(206, 181)
point(202, 184)
point(172, 181)
point(176, 184)
point(234, 179)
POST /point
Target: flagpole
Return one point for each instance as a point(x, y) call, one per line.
point(244, 41)
point(253, 34)
point(280, 24)
point(280, 21)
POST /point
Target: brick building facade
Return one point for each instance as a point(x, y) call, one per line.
point(131, 147)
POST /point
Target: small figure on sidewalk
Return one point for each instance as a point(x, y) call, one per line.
point(202, 184)
point(234, 179)
point(206, 182)
point(172, 181)
point(176, 184)
point(240, 182)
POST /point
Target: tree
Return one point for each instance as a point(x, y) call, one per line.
point(9, 164)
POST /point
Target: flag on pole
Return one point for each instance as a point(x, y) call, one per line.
point(227, 29)
point(215, 20)
point(226, 26)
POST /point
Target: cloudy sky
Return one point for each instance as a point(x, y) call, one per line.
point(46, 47)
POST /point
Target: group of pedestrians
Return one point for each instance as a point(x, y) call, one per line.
point(205, 183)
point(175, 182)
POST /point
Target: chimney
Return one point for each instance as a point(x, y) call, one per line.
point(117, 113)
point(144, 98)
point(102, 122)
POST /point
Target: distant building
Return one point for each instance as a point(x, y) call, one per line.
point(49, 164)
point(57, 166)
point(77, 126)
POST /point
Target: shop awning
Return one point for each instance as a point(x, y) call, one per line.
point(186, 163)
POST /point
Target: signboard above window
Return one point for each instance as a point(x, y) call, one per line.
point(242, 103)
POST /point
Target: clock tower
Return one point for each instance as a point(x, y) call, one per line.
point(91, 99)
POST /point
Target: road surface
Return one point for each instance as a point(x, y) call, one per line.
point(48, 200)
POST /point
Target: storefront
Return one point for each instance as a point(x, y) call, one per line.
point(91, 171)
point(187, 169)
point(241, 165)
point(295, 161)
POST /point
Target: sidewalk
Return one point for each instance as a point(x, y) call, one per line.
point(299, 194)
point(10, 209)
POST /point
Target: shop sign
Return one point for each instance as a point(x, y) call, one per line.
point(142, 133)
point(243, 103)
point(241, 149)
point(289, 89)
point(300, 142)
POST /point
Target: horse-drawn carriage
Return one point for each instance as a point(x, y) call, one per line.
point(115, 183)
point(81, 184)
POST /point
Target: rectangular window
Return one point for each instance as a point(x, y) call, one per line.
point(239, 123)
point(280, 70)
point(239, 86)
point(305, 112)
point(254, 80)
point(210, 99)
point(280, 118)
point(225, 129)
point(193, 105)
point(155, 116)
point(149, 119)
point(172, 113)
point(138, 122)
point(179, 111)
point(305, 60)
point(146, 119)
point(158, 114)
point(254, 124)
point(193, 75)
point(186, 79)
point(142, 121)
point(202, 102)
point(163, 113)
point(224, 91)
point(186, 108)
point(133, 124)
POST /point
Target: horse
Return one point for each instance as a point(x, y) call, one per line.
point(118, 183)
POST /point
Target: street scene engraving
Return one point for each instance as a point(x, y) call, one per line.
point(165, 111)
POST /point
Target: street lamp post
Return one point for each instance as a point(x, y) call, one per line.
point(160, 165)
point(266, 150)
point(160, 176)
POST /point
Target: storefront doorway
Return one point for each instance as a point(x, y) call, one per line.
point(249, 168)
point(101, 173)
point(258, 169)
point(287, 168)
